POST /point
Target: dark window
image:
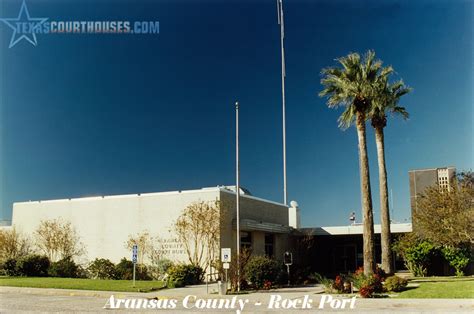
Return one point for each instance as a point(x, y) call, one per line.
point(269, 243)
point(246, 240)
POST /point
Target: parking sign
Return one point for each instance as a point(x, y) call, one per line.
point(134, 254)
point(225, 255)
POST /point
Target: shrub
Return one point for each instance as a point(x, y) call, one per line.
point(267, 285)
point(101, 268)
point(124, 271)
point(65, 268)
point(298, 275)
point(187, 274)
point(33, 266)
point(456, 257)
point(174, 284)
point(261, 268)
point(342, 284)
point(416, 254)
point(327, 283)
point(368, 285)
point(366, 291)
point(395, 284)
point(82, 272)
point(159, 269)
point(9, 266)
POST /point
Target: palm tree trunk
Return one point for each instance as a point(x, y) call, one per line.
point(387, 263)
point(368, 219)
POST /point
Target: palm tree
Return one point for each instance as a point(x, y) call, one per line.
point(385, 101)
point(352, 87)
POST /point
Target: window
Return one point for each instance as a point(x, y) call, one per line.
point(245, 240)
point(269, 243)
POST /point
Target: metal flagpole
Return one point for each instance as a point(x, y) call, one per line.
point(237, 190)
point(283, 75)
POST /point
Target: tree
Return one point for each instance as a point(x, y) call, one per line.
point(353, 87)
point(385, 101)
point(58, 239)
point(145, 244)
point(13, 244)
point(446, 218)
point(198, 228)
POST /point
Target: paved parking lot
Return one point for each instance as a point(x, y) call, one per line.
point(22, 300)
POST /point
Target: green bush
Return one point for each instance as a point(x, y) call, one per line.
point(65, 268)
point(416, 254)
point(9, 266)
point(82, 272)
point(187, 274)
point(395, 284)
point(32, 266)
point(456, 257)
point(159, 268)
point(101, 268)
point(174, 284)
point(124, 271)
point(260, 269)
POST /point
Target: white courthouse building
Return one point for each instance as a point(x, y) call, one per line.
point(105, 223)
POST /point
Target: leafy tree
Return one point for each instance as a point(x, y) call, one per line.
point(198, 228)
point(353, 87)
point(13, 244)
point(446, 218)
point(385, 101)
point(58, 239)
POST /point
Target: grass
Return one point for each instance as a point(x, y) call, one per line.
point(81, 284)
point(440, 288)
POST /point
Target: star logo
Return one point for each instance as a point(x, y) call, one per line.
point(24, 27)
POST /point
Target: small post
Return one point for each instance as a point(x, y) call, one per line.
point(288, 260)
point(134, 260)
point(134, 265)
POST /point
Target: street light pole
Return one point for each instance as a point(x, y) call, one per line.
point(237, 190)
point(283, 75)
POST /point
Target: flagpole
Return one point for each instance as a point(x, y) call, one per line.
point(283, 75)
point(237, 190)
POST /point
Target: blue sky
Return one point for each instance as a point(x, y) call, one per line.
point(84, 115)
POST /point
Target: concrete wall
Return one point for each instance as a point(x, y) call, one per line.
point(105, 223)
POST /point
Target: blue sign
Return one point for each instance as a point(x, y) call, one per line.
point(134, 254)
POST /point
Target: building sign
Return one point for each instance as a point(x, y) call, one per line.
point(171, 247)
